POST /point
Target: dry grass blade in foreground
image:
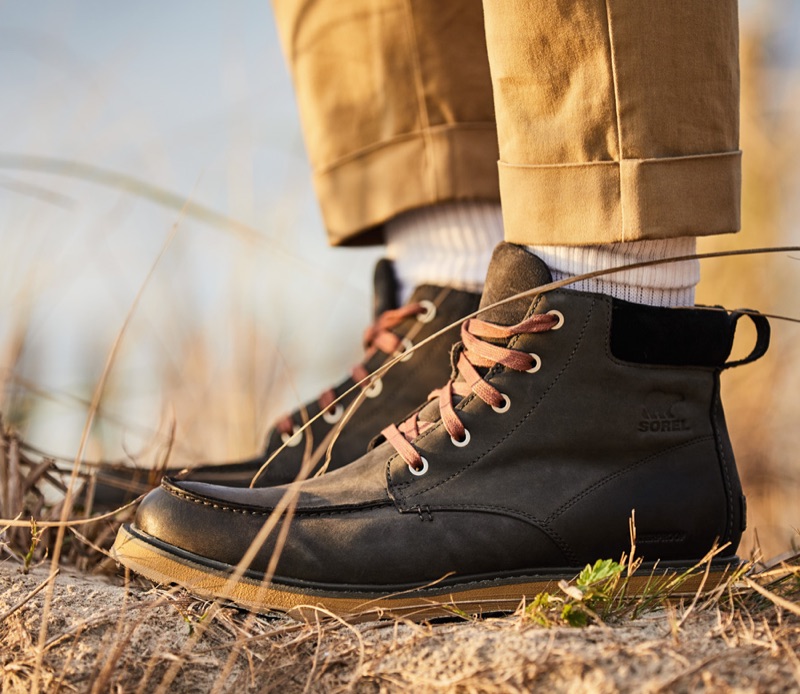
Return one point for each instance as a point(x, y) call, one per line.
point(32, 492)
point(106, 634)
point(131, 638)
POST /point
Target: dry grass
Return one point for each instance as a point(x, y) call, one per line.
point(104, 636)
point(89, 629)
point(106, 632)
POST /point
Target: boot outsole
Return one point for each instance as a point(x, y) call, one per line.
point(152, 559)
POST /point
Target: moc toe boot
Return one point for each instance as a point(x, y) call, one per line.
point(347, 425)
point(344, 427)
point(567, 413)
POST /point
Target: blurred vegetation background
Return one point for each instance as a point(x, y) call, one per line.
point(120, 121)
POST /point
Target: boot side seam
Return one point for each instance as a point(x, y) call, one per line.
point(619, 473)
point(538, 523)
point(253, 512)
point(716, 407)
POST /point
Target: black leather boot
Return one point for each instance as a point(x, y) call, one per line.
point(567, 413)
point(346, 427)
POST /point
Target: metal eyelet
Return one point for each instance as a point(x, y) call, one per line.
point(407, 345)
point(560, 317)
point(374, 389)
point(504, 407)
point(331, 417)
point(422, 470)
point(463, 442)
point(293, 439)
point(429, 313)
point(537, 363)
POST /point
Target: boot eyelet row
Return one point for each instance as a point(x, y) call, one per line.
point(537, 363)
point(374, 389)
point(422, 470)
point(333, 416)
point(464, 442)
point(504, 407)
point(429, 313)
point(293, 439)
point(560, 317)
point(405, 350)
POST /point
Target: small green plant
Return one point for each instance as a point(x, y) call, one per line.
point(458, 612)
point(592, 593)
point(590, 597)
point(540, 608)
point(575, 615)
point(596, 579)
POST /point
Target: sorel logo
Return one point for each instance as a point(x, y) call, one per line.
point(663, 412)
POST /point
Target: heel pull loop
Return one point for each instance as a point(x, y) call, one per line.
point(762, 336)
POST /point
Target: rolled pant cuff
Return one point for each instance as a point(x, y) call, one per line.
point(606, 202)
point(442, 164)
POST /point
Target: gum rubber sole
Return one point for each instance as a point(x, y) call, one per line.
point(150, 558)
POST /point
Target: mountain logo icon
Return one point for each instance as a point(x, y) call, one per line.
point(664, 413)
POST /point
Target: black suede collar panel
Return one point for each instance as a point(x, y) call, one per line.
point(670, 336)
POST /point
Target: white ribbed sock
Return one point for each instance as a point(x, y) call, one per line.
point(670, 284)
point(448, 244)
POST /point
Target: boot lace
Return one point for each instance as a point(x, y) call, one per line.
point(474, 352)
point(378, 337)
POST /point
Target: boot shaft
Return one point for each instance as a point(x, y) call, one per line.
point(623, 416)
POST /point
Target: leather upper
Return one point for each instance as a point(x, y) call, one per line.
point(588, 440)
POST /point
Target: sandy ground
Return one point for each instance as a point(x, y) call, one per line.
point(102, 636)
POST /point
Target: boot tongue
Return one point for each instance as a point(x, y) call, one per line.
point(512, 270)
point(384, 297)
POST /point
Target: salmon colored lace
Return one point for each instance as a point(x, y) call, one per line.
point(476, 352)
point(377, 338)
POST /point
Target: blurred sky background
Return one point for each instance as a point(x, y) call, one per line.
point(239, 321)
point(192, 97)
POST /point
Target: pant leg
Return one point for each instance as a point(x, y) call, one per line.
point(617, 119)
point(395, 100)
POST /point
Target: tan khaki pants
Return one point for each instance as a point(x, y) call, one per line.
point(616, 120)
